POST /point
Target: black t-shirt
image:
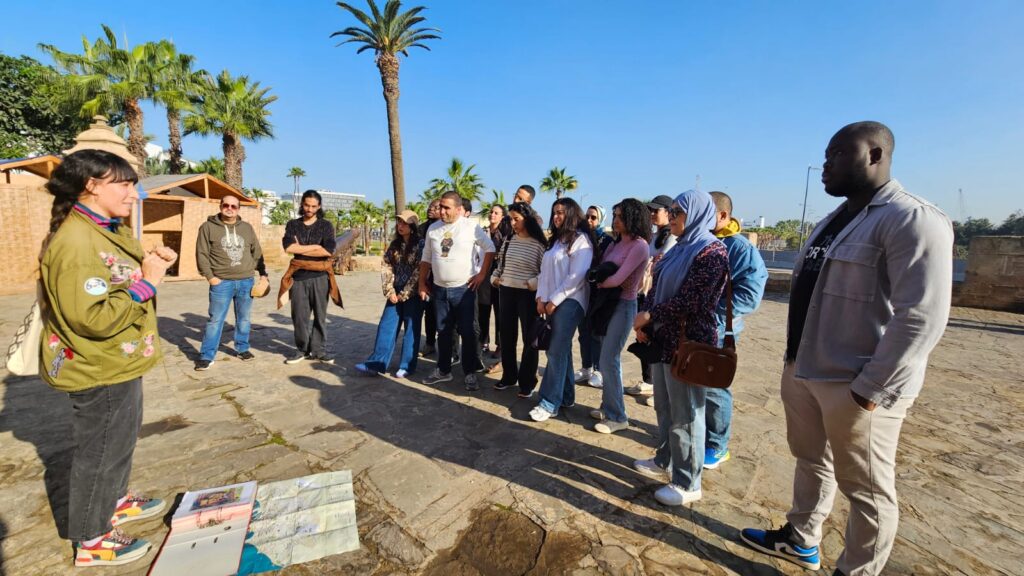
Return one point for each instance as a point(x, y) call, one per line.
point(319, 232)
point(814, 258)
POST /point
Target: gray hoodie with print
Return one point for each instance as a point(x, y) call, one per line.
point(228, 251)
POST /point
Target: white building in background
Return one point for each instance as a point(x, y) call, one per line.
point(268, 203)
point(334, 201)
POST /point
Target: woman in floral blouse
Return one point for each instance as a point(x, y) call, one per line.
point(688, 282)
point(399, 274)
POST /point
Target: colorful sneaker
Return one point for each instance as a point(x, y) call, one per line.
point(436, 377)
point(137, 507)
point(115, 548)
point(780, 543)
point(675, 495)
point(713, 459)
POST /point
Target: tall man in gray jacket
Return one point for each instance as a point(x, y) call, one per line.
point(870, 299)
point(227, 254)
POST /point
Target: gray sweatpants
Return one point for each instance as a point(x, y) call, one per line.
point(310, 297)
point(839, 444)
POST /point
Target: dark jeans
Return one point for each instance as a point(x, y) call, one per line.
point(310, 297)
point(590, 347)
point(456, 308)
point(430, 323)
point(484, 315)
point(518, 310)
point(105, 423)
point(645, 366)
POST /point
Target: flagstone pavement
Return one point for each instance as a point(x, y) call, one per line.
point(457, 483)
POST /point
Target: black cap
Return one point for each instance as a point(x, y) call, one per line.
point(660, 202)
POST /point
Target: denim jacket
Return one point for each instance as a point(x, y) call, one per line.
point(882, 298)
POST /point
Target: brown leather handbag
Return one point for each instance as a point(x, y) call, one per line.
point(703, 364)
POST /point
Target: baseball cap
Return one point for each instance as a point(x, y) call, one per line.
point(408, 216)
point(660, 202)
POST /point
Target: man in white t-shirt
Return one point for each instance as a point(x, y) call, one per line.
point(448, 256)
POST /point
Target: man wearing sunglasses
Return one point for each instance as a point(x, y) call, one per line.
point(227, 254)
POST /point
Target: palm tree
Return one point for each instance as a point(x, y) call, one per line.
point(235, 109)
point(178, 89)
point(213, 166)
point(111, 79)
point(460, 178)
point(363, 214)
point(296, 175)
point(420, 208)
point(389, 34)
point(497, 199)
point(557, 181)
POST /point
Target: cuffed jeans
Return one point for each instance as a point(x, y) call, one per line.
point(309, 296)
point(456, 310)
point(839, 444)
point(518, 310)
point(105, 424)
point(557, 389)
point(221, 297)
point(613, 404)
point(405, 316)
point(680, 410)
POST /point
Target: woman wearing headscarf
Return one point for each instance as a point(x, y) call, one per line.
point(688, 282)
point(590, 345)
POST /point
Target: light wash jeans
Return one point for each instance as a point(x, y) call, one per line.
point(557, 388)
point(405, 315)
point(614, 340)
point(680, 410)
point(221, 297)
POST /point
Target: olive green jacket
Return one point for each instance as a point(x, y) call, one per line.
point(94, 332)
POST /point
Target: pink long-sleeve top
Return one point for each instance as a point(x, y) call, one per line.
point(631, 255)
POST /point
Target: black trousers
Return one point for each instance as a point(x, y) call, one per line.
point(309, 296)
point(518, 310)
point(645, 367)
point(105, 424)
point(484, 307)
point(430, 323)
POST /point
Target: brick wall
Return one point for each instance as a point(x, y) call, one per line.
point(995, 274)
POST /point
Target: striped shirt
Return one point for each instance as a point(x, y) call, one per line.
point(520, 265)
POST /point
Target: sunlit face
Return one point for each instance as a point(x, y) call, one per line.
point(557, 215)
point(111, 199)
point(402, 227)
point(496, 215)
point(593, 218)
point(676, 219)
point(617, 225)
point(659, 217)
point(518, 222)
point(522, 196)
point(433, 211)
point(449, 210)
point(309, 208)
point(229, 207)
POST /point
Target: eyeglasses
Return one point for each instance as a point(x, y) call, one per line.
point(675, 212)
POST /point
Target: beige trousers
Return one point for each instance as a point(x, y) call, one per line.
point(839, 444)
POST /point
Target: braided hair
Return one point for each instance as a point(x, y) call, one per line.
point(69, 180)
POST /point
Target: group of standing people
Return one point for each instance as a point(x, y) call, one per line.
point(869, 301)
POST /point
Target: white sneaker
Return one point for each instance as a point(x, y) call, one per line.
point(673, 495)
point(650, 468)
point(596, 381)
point(609, 427)
point(401, 373)
point(597, 414)
point(539, 414)
point(641, 389)
point(582, 375)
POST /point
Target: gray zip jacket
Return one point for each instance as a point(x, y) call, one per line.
point(882, 298)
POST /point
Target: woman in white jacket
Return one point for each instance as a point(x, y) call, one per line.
point(562, 295)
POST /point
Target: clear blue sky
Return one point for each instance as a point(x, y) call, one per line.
point(635, 98)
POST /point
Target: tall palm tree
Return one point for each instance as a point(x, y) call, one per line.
point(363, 214)
point(557, 181)
point(296, 174)
point(236, 109)
point(178, 89)
point(460, 178)
point(213, 166)
point(112, 78)
point(389, 34)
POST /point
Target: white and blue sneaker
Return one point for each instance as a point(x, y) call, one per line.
point(712, 458)
point(780, 543)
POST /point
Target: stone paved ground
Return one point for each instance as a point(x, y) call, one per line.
point(452, 483)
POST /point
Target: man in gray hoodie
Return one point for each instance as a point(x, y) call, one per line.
point(227, 254)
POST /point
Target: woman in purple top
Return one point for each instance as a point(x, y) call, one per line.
point(688, 282)
point(631, 224)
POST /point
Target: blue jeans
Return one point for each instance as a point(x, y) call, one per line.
point(590, 347)
point(718, 418)
point(456, 310)
point(221, 297)
point(680, 410)
point(405, 315)
point(614, 340)
point(557, 389)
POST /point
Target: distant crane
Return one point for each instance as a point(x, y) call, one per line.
point(963, 206)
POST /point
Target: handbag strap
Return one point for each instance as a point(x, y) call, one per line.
point(730, 338)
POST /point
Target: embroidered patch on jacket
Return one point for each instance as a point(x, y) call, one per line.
point(63, 355)
point(95, 286)
point(121, 271)
point(148, 342)
point(52, 342)
point(129, 348)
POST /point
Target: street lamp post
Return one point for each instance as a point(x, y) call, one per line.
point(803, 215)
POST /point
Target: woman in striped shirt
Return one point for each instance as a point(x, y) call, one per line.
point(516, 279)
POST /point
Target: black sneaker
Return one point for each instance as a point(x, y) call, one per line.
point(203, 365)
point(323, 359)
point(502, 386)
point(246, 356)
point(297, 357)
point(780, 543)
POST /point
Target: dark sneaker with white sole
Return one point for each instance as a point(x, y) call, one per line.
point(781, 543)
point(202, 365)
point(246, 356)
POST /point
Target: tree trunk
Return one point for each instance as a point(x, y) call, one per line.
point(136, 134)
point(558, 193)
point(174, 137)
point(388, 65)
point(234, 155)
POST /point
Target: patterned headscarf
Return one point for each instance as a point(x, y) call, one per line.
point(701, 217)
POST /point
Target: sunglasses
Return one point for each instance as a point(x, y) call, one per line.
point(230, 206)
point(675, 212)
